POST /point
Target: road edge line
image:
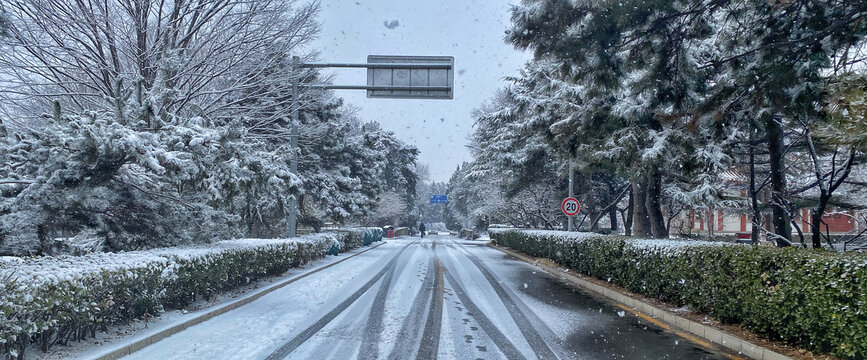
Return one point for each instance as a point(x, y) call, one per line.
point(716, 336)
point(219, 310)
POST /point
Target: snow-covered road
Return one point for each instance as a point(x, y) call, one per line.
point(437, 297)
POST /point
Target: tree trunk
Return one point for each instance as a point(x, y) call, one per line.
point(612, 217)
point(779, 199)
point(816, 226)
point(627, 220)
point(754, 194)
point(756, 226)
point(248, 214)
point(671, 216)
point(45, 243)
point(640, 219)
point(592, 212)
point(825, 189)
point(654, 205)
point(711, 219)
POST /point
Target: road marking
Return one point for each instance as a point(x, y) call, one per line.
point(682, 334)
point(645, 317)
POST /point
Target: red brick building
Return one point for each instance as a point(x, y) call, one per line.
point(731, 221)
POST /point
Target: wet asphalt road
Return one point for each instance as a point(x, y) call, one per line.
point(437, 297)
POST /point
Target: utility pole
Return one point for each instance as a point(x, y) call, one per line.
point(571, 224)
point(292, 223)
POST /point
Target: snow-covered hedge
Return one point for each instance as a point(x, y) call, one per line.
point(816, 300)
point(56, 299)
point(355, 237)
point(370, 234)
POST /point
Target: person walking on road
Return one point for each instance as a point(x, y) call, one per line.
point(421, 229)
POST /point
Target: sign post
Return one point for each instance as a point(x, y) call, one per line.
point(571, 223)
point(292, 222)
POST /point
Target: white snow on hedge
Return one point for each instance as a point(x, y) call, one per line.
point(673, 244)
point(35, 272)
point(661, 244)
point(68, 296)
point(561, 235)
point(9, 260)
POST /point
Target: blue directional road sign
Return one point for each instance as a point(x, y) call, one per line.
point(439, 199)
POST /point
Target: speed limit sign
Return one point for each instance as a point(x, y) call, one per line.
point(570, 206)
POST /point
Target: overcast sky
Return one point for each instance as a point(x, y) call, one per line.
point(470, 30)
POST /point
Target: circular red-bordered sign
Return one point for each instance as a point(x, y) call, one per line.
point(570, 206)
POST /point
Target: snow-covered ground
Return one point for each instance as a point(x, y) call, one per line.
point(415, 298)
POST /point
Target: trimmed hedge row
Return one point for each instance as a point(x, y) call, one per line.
point(50, 300)
point(356, 237)
point(815, 300)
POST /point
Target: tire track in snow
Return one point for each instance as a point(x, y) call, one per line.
point(412, 324)
point(373, 328)
point(487, 326)
point(430, 338)
point(305, 335)
point(515, 306)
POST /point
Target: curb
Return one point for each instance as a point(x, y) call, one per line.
point(704, 332)
point(162, 334)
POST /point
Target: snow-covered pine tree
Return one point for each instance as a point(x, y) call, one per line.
point(179, 135)
point(674, 68)
point(510, 152)
point(422, 209)
point(639, 76)
point(92, 174)
point(400, 172)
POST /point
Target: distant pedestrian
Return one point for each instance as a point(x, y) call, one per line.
point(421, 229)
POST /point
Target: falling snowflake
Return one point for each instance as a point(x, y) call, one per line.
point(391, 24)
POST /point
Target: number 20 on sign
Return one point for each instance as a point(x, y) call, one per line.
point(570, 206)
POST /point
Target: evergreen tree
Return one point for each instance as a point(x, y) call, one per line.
point(673, 81)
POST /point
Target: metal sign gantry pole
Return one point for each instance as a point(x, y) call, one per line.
point(395, 71)
point(292, 223)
